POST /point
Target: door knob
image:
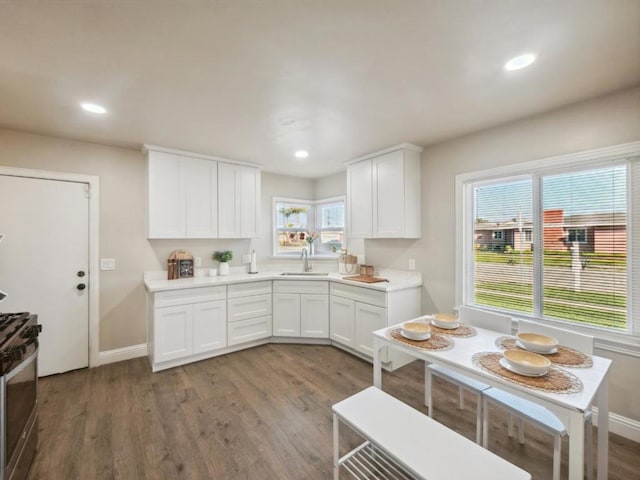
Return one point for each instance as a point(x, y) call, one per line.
point(81, 286)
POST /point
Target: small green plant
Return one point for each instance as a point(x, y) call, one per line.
point(223, 255)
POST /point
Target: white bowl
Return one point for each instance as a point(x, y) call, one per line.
point(527, 363)
point(445, 320)
point(537, 343)
point(416, 330)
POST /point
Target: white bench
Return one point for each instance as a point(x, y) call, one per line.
point(401, 442)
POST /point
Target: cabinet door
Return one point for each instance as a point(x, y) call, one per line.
point(314, 316)
point(201, 182)
point(342, 325)
point(359, 199)
point(249, 201)
point(368, 319)
point(209, 326)
point(388, 195)
point(286, 315)
point(228, 205)
point(173, 333)
point(166, 196)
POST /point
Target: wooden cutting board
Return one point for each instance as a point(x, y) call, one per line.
point(365, 279)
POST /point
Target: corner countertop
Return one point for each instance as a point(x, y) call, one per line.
point(398, 280)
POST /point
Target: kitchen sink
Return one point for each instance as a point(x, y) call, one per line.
point(304, 274)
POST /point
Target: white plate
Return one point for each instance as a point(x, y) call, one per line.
point(534, 350)
point(445, 325)
point(415, 338)
point(503, 363)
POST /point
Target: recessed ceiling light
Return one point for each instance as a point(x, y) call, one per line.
point(521, 61)
point(301, 154)
point(93, 108)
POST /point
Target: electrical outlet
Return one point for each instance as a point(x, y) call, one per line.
point(198, 261)
point(412, 264)
point(246, 258)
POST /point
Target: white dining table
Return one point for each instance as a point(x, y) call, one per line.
point(570, 408)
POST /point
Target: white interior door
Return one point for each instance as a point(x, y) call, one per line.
point(45, 224)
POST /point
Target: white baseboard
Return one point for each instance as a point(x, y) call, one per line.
point(623, 426)
point(120, 354)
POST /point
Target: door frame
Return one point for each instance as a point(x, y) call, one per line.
point(94, 273)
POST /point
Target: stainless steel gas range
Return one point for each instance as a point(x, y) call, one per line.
point(18, 393)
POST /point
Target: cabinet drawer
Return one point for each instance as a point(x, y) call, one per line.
point(301, 286)
point(185, 296)
point(360, 294)
point(250, 288)
point(248, 307)
point(248, 330)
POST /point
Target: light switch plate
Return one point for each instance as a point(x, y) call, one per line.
point(198, 261)
point(107, 264)
point(246, 258)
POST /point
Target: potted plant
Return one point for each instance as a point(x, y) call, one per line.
point(224, 257)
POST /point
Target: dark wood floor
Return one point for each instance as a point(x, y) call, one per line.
point(263, 413)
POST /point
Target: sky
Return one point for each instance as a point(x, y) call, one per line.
point(592, 191)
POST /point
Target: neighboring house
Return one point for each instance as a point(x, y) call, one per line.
point(592, 232)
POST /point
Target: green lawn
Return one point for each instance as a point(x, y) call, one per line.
point(551, 259)
point(595, 308)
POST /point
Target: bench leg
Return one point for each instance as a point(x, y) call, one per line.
point(336, 449)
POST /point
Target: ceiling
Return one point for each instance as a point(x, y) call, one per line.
point(257, 80)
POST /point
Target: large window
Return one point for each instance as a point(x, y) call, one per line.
point(567, 235)
point(296, 222)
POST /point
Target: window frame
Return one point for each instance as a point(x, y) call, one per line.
point(314, 223)
point(628, 341)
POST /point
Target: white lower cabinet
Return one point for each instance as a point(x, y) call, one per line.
point(209, 326)
point(368, 318)
point(343, 327)
point(185, 325)
point(356, 312)
point(249, 312)
point(301, 309)
point(174, 332)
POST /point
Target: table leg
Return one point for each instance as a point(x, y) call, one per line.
point(603, 428)
point(377, 363)
point(576, 446)
point(336, 448)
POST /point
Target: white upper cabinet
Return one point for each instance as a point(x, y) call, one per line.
point(167, 201)
point(383, 194)
point(195, 196)
point(238, 201)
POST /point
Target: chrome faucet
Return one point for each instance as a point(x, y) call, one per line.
point(307, 264)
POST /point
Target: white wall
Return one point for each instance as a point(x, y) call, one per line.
point(608, 120)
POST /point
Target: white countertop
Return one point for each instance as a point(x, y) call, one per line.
point(398, 280)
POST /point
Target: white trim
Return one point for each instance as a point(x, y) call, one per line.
point(94, 243)
point(121, 354)
point(402, 146)
point(155, 148)
point(624, 426)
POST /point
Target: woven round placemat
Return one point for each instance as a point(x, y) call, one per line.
point(565, 356)
point(556, 380)
point(462, 331)
point(436, 342)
